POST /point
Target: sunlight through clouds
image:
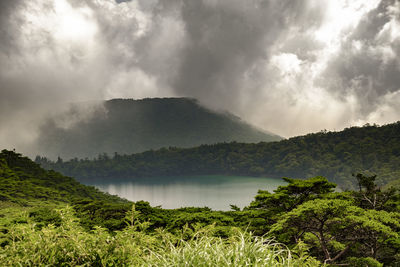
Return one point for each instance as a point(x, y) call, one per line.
point(73, 24)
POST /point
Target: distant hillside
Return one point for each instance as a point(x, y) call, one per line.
point(335, 155)
point(128, 126)
point(24, 182)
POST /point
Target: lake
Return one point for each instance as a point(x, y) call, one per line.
point(214, 191)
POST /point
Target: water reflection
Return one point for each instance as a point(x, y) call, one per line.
point(216, 192)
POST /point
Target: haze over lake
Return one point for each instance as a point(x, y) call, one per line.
point(214, 191)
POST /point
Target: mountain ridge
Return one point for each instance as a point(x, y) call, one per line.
point(129, 126)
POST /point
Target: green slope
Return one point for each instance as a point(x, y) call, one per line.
point(127, 126)
point(26, 188)
point(25, 183)
point(335, 155)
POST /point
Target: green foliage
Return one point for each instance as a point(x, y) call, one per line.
point(339, 221)
point(335, 155)
point(366, 182)
point(102, 213)
point(362, 262)
point(370, 196)
point(26, 183)
point(70, 245)
point(336, 225)
point(286, 198)
point(44, 216)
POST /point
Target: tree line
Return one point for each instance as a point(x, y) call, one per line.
point(335, 155)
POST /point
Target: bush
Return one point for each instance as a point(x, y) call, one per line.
point(70, 245)
point(363, 262)
point(44, 216)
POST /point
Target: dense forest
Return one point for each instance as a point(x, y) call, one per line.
point(129, 126)
point(49, 219)
point(335, 155)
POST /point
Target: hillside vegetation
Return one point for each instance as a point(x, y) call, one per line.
point(335, 155)
point(303, 223)
point(25, 182)
point(127, 126)
point(47, 219)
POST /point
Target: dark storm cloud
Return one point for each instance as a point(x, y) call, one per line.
point(222, 42)
point(220, 52)
point(368, 64)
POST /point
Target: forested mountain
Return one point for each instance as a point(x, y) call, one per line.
point(335, 155)
point(128, 126)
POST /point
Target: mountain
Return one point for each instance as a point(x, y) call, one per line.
point(128, 126)
point(335, 155)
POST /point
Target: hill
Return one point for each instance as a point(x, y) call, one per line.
point(26, 187)
point(128, 126)
point(24, 182)
point(335, 155)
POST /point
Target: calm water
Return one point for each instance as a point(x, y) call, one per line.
point(216, 192)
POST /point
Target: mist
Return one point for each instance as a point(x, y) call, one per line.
point(289, 67)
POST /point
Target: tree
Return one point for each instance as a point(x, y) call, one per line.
point(335, 226)
point(288, 197)
point(370, 196)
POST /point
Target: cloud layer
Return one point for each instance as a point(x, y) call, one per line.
point(291, 67)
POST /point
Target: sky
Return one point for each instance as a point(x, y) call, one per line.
point(289, 67)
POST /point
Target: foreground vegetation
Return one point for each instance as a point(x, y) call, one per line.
point(304, 223)
point(335, 155)
point(69, 244)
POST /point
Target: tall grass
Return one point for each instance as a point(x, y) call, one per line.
point(240, 249)
point(70, 245)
